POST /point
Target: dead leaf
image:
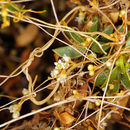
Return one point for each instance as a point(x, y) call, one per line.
point(65, 118)
point(123, 102)
point(114, 16)
point(10, 84)
point(27, 36)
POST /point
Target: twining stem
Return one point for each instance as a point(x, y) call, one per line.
point(31, 85)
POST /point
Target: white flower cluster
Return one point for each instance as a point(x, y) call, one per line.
point(62, 77)
point(15, 110)
point(60, 67)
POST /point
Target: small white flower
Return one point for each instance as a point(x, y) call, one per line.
point(66, 58)
point(80, 17)
point(25, 91)
point(13, 108)
point(16, 114)
point(66, 65)
point(54, 73)
point(81, 84)
point(103, 89)
point(59, 64)
point(62, 77)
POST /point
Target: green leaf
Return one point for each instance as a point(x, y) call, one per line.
point(68, 51)
point(12, 7)
point(120, 62)
point(108, 30)
point(95, 28)
point(115, 74)
point(96, 24)
point(128, 35)
point(125, 80)
point(76, 37)
point(127, 66)
point(95, 46)
point(97, 49)
point(101, 78)
point(116, 87)
point(120, 29)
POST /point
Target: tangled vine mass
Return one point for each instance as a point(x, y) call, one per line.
point(65, 65)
